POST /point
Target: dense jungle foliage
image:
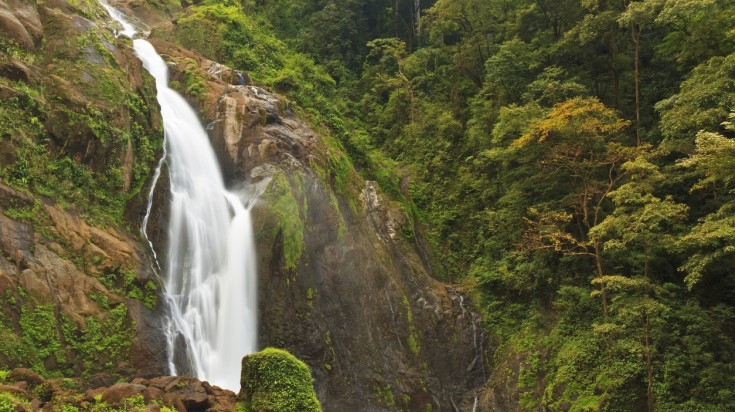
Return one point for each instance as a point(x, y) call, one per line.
point(571, 161)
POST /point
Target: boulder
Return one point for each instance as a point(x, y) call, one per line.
point(19, 21)
point(190, 392)
point(273, 380)
point(116, 393)
point(25, 375)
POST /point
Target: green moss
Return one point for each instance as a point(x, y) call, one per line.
point(103, 343)
point(52, 345)
point(413, 342)
point(343, 177)
point(310, 298)
point(41, 335)
point(283, 205)
point(33, 213)
point(189, 78)
point(275, 380)
point(125, 282)
point(99, 193)
point(341, 227)
point(385, 395)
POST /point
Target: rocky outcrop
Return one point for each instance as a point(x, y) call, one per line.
point(52, 259)
point(341, 285)
point(78, 128)
point(20, 22)
point(31, 392)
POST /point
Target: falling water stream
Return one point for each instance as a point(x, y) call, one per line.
point(209, 272)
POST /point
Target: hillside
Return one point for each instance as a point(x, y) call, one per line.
point(460, 204)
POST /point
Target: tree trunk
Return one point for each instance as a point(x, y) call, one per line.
point(649, 362)
point(417, 20)
point(600, 274)
point(395, 18)
point(635, 31)
point(616, 76)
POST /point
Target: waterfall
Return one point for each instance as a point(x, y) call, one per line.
point(209, 273)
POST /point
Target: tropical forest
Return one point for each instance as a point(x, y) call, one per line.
point(367, 205)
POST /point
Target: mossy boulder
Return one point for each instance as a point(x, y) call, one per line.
point(274, 380)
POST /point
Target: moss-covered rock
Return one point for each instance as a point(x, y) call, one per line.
point(274, 380)
point(79, 120)
point(284, 206)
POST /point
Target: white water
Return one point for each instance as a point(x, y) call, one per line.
point(210, 275)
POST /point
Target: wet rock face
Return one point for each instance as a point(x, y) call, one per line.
point(341, 285)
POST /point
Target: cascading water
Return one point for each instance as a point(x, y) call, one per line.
point(210, 274)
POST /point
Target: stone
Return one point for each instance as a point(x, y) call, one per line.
point(190, 391)
point(161, 382)
point(19, 21)
point(152, 393)
point(15, 70)
point(91, 395)
point(26, 375)
point(173, 400)
point(120, 391)
point(101, 379)
point(15, 390)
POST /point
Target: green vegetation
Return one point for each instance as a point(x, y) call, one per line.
point(53, 345)
point(413, 338)
point(58, 126)
point(274, 380)
point(385, 395)
point(10, 403)
point(571, 159)
point(289, 222)
point(125, 282)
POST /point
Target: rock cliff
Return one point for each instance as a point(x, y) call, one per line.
point(79, 127)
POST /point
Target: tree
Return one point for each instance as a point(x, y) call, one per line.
point(637, 15)
point(714, 160)
point(579, 158)
point(712, 240)
point(640, 227)
point(704, 101)
point(466, 29)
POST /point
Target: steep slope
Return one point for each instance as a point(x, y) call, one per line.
point(79, 128)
